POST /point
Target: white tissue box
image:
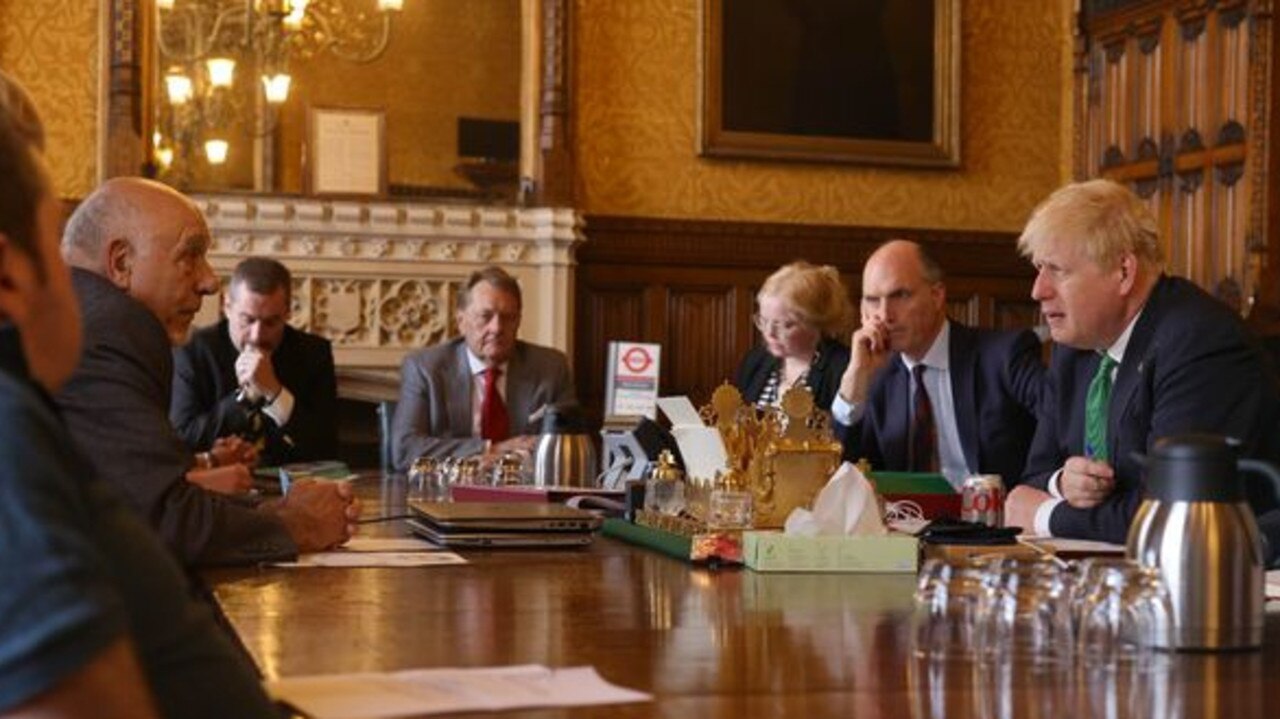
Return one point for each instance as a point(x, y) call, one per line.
point(778, 552)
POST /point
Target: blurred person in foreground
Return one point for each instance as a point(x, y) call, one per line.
point(96, 618)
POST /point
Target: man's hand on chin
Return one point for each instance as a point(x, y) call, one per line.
point(1021, 505)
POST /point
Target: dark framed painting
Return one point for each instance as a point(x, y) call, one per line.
point(860, 81)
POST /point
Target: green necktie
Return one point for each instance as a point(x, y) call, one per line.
point(1095, 410)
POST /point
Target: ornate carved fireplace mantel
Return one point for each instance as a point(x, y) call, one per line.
point(380, 279)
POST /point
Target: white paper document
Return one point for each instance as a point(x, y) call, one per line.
point(387, 544)
point(701, 447)
point(679, 411)
point(1059, 545)
point(438, 691)
point(344, 558)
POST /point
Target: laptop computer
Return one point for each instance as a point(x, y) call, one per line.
point(501, 524)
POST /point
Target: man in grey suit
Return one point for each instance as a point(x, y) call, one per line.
point(475, 394)
point(137, 251)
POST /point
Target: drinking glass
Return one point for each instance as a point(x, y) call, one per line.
point(1024, 611)
point(421, 479)
point(946, 612)
point(1124, 612)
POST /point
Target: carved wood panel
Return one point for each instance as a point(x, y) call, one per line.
point(1174, 101)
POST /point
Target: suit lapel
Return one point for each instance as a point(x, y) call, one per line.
point(896, 415)
point(460, 411)
point(518, 401)
point(1133, 367)
point(225, 356)
point(963, 358)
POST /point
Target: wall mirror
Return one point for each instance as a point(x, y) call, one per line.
point(459, 83)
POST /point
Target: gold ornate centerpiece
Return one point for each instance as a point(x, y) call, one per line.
point(782, 455)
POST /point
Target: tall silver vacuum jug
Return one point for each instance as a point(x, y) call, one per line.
point(1195, 526)
point(566, 451)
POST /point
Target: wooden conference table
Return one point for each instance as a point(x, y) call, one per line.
point(727, 644)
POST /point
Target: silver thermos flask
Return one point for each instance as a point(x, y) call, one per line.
point(566, 453)
point(1195, 526)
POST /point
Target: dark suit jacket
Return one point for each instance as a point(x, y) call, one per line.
point(997, 380)
point(823, 379)
point(116, 406)
point(1190, 366)
point(434, 415)
point(204, 403)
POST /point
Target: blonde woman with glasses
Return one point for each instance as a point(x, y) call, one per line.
point(803, 311)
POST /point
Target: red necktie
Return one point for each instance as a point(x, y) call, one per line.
point(494, 423)
point(923, 452)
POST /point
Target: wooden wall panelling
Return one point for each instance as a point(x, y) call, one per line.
point(1175, 105)
point(690, 285)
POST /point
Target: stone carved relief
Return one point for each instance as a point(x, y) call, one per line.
point(300, 303)
point(343, 312)
point(416, 313)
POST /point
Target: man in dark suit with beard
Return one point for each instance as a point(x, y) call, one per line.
point(252, 375)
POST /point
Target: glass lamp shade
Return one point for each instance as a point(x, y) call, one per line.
point(276, 87)
point(164, 4)
point(297, 8)
point(390, 5)
point(164, 156)
point(222, 71)
point(216, 151)
point(178, 87)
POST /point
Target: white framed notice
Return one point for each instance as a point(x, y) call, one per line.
point(347, 151)
point(631, 386)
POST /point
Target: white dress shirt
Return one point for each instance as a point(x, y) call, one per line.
point(937, 384)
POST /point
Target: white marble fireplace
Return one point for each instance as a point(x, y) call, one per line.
point(380, 278)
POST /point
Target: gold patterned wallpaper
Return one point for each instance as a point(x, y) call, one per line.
point(52, 47)
point(635, 119)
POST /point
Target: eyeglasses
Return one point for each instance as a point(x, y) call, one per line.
point(776, 327)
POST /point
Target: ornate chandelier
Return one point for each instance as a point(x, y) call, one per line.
point(204, 45)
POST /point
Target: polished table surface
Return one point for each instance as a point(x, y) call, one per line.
point(727, 643)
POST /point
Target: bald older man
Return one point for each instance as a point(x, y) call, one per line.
point(139, 269)
point(924, 393)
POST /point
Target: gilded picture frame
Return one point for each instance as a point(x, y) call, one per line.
point(870, 82)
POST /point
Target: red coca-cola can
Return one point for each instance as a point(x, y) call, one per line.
point(982, 500)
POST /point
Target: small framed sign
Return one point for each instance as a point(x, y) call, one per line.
point(631, 387)
point(347, 151)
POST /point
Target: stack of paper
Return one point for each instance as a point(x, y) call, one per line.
point(378, 552)
point(438, 691)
